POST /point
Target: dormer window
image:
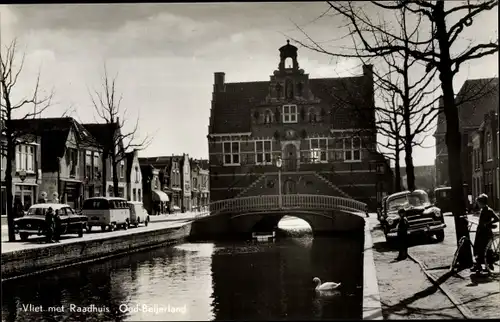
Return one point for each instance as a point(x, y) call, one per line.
point(268, 117)
point(289, 113)
point(313, 115)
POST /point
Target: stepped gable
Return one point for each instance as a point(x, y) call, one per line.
point(232, 107)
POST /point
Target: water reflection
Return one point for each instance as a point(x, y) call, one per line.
point(200, 281)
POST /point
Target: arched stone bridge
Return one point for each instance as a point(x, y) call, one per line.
point(325, 214)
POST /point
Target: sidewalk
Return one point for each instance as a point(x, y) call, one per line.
point(407, 293)
point(178, 216)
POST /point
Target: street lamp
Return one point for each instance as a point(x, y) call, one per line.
point(279, 163)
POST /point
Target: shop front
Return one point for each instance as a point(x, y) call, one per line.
point(71, 193)
point(25, 193)
point(160, 202)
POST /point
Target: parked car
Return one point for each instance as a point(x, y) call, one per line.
point(423, 217)
point(33, 223)
point(107, 213)
point(444, 201)
point(138, 214)
point(381, 210)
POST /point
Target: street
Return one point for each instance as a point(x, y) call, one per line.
point(406, 292)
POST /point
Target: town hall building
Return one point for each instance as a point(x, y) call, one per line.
point(323, 130)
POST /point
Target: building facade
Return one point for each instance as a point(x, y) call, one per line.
point(26, 172)
point(108, 135)
point(150, 185)
point(134, 177)
point(186, 183)
point(64, 142)
point(199, 185)
point(485, 161)
point(475, 99)
point(323, 130)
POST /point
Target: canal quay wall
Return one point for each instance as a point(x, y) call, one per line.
point(92, 247)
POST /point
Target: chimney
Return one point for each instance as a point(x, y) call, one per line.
point(219, 82)
point(368, 70)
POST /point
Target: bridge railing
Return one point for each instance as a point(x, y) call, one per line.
point(272, 202)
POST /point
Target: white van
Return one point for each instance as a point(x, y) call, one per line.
point(138, 214)
point(106, 212)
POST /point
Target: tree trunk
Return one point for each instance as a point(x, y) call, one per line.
point(397, 166)
point(453, 136)
point(114, 171)
point(8, 184)
point(104, 173)
point(410, 169)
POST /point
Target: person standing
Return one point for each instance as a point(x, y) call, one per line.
point(57, 226)
point(49, 225)
point(484, 232)
point(402, 235)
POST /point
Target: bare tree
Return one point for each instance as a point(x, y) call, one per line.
point(398, 73)
point(10, 70)
point(445, 26)
point(106, 103)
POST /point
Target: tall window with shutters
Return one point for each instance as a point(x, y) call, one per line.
point(318, 150)
point(263, 152)
point(352, 149)
point(231, 152)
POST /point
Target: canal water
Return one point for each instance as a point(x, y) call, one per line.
point(201, 281)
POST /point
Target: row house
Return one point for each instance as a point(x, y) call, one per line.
point(26, 171)
point(134, 177)
point(175, 179)
point(476, 98)
point(108, 134)
point(485, 162)
point(153, 198)
point(200, 192)
point(323, 129)
point(63, 147)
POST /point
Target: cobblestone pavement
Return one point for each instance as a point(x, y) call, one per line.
point(407, 293)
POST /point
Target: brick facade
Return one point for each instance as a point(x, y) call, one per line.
point(316, 126)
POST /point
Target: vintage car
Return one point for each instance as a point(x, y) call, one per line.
point(423, 217)
point(33, 223)
point(138, 214)
point(381, 210)
point(444, 201)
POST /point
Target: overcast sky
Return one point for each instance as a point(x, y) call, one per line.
point(165, 56)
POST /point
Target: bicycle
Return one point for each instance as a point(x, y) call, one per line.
point(491, 255)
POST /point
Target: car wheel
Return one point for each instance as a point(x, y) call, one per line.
point(24, 236)
point(112, 227)
point(103, 228)
point(126, 225)
point(439, 235)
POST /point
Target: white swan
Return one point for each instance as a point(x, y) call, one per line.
point(328, 286)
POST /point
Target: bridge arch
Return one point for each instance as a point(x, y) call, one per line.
point(325, 214)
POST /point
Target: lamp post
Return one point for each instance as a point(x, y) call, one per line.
point(279, 163)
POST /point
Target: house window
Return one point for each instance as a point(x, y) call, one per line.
point(88, 164)
point(489, 147)
point(289, 113)
point(352, 149)
point(313, 116)
point(268, 117)
point(96, 164)
point(231, 152)
point(72, 161)
point(137, 179)
point(339, 149)
point(122, 169)
point(25, 157)
point(263, 152)
point(380, 168)
point(139, 195)
point(134, 194)
point(318, 149)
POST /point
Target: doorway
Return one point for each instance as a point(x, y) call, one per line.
point(290, 157)
point(290, 187)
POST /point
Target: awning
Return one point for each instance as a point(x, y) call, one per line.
point(159, 195)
